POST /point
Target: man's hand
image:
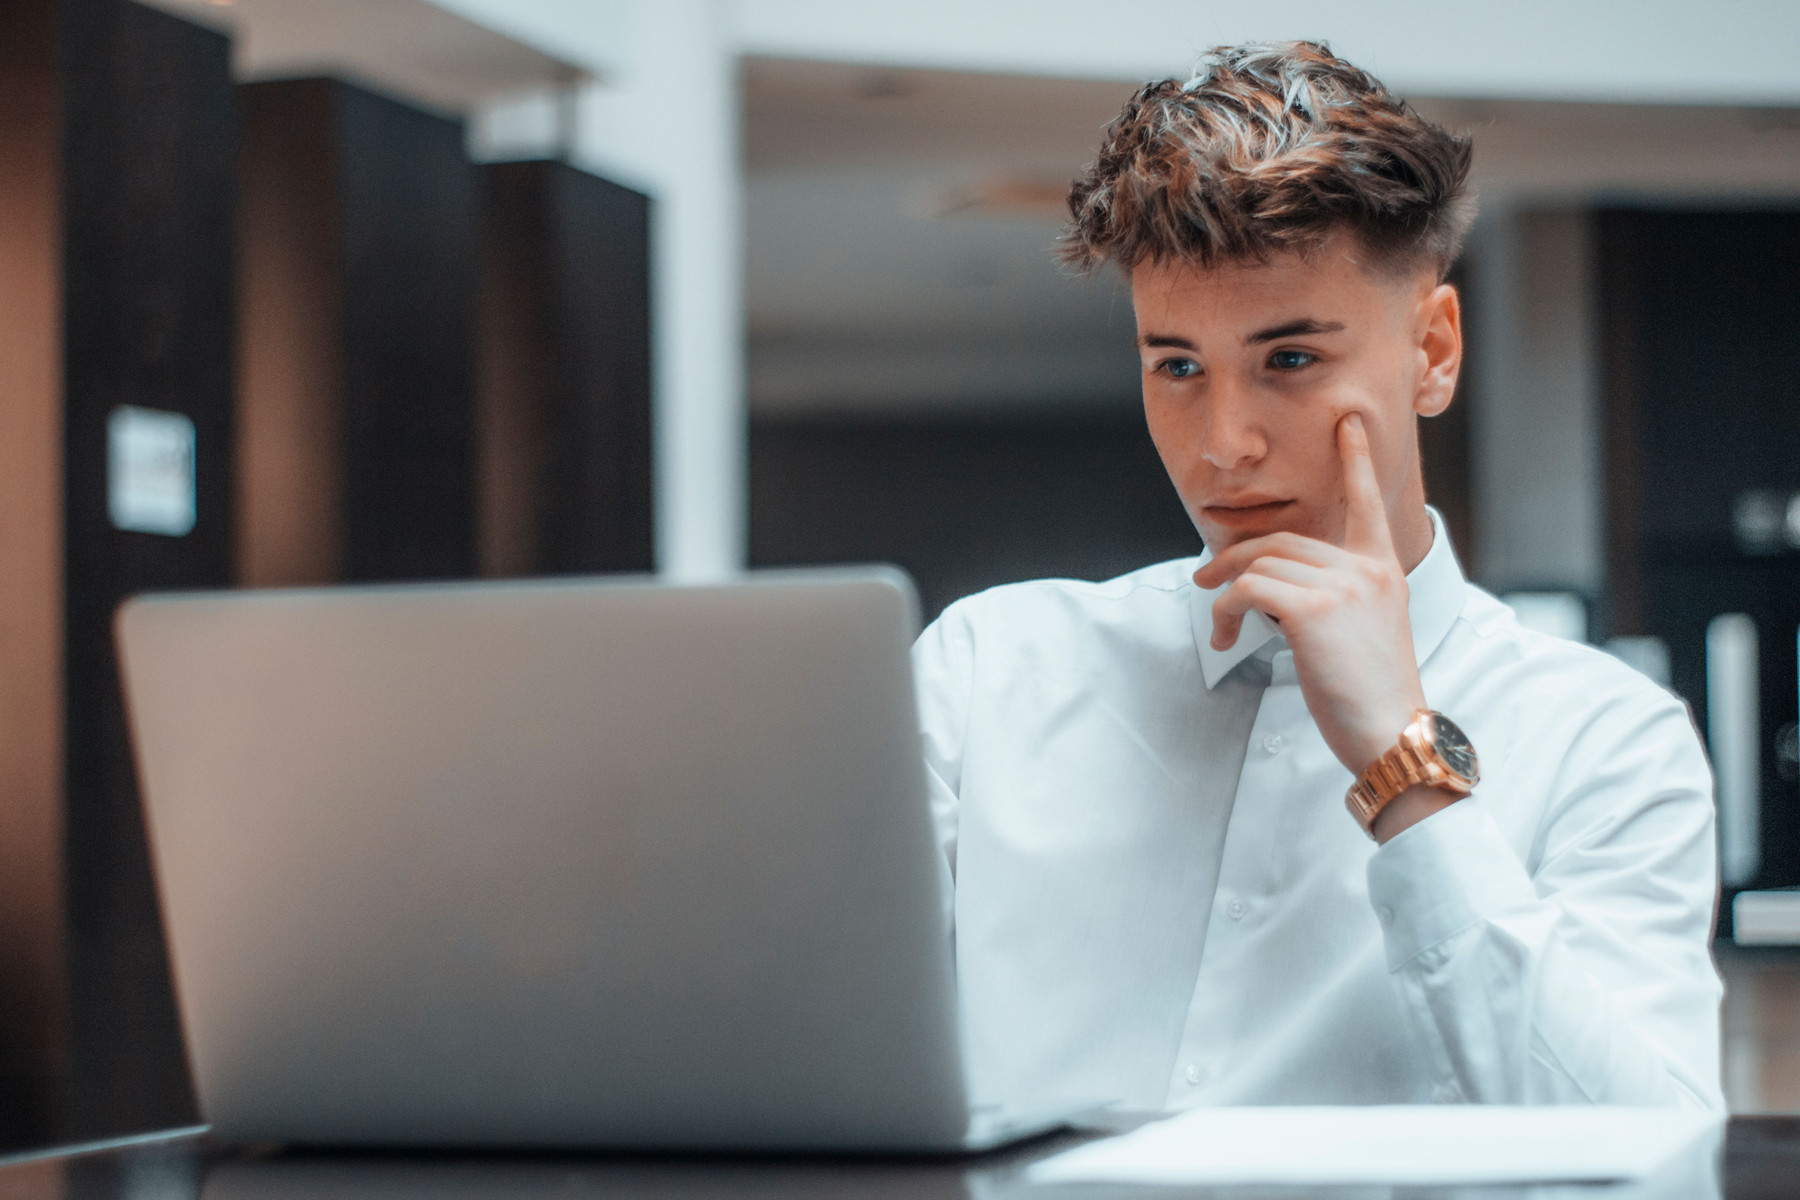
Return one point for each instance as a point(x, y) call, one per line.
point(1343, 611)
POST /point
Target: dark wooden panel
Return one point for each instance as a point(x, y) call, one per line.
point(149, 144)
point(566, 371)
point(597, 511)
point(360, 274)
point(408, 254)
point(32, 983)
point(965, 504)
point(290, 406)
point(515, 371)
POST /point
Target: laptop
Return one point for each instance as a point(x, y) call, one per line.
point(556, 863)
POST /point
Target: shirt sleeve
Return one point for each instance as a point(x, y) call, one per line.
point(943, 672)
point(1588, 979)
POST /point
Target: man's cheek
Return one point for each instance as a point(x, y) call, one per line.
point(1177, 445)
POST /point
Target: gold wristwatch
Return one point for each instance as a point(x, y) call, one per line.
point(1431, 751)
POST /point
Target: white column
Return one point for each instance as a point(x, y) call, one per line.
point(1734, 740)
point(671, 117)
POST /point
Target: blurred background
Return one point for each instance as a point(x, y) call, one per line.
point(308, 291)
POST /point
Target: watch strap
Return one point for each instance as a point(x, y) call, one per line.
point(1412, 761)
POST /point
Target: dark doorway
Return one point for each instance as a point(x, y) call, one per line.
point(1703, 419)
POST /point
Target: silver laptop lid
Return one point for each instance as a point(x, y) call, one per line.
point(551, 863)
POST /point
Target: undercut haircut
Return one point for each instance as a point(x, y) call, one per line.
point(1269, 148)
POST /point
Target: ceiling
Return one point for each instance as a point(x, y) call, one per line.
point(411, 48)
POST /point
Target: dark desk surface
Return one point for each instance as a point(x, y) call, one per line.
point(1761, 1162)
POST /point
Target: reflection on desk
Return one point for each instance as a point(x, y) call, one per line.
point(1761, 1162)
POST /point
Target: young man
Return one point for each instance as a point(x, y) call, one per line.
point(1141, 785)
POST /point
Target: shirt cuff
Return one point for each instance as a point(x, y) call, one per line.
point(1441, 876)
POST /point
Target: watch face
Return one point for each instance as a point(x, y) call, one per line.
point(1454, 748)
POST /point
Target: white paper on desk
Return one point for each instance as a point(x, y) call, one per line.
point(1397, 1144)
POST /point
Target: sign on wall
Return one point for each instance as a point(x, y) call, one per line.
point(150, 471)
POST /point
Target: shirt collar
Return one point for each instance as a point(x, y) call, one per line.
point(1435, 598)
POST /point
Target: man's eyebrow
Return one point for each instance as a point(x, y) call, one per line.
point(1301, 328)
point(1166, 339)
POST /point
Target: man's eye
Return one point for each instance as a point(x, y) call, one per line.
point(1180, 368)
point(1291, 360)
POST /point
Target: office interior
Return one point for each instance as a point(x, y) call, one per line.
point(304, 292)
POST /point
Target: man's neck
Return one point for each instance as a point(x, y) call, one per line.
point(1412, 532)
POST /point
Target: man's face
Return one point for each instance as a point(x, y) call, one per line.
point(1248, 368)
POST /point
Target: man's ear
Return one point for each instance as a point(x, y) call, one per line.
point(1441, 342)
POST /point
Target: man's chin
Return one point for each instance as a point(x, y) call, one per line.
point(1221, 528)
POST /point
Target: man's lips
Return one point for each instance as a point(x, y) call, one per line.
point(1245, 511)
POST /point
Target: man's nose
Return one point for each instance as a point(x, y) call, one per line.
point(1233, 432)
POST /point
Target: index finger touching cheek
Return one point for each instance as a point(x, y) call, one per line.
point(1365, 515)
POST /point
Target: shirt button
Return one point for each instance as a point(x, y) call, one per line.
point(1236, 910)
point(1272, 744)
point(1386, 914)
point(1194, 1073)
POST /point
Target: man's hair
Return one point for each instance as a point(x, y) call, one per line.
point(1271, 147)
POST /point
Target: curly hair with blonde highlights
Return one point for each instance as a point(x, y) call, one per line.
point(1271, 147)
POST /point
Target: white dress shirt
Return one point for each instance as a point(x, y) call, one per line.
point(1161, 899)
